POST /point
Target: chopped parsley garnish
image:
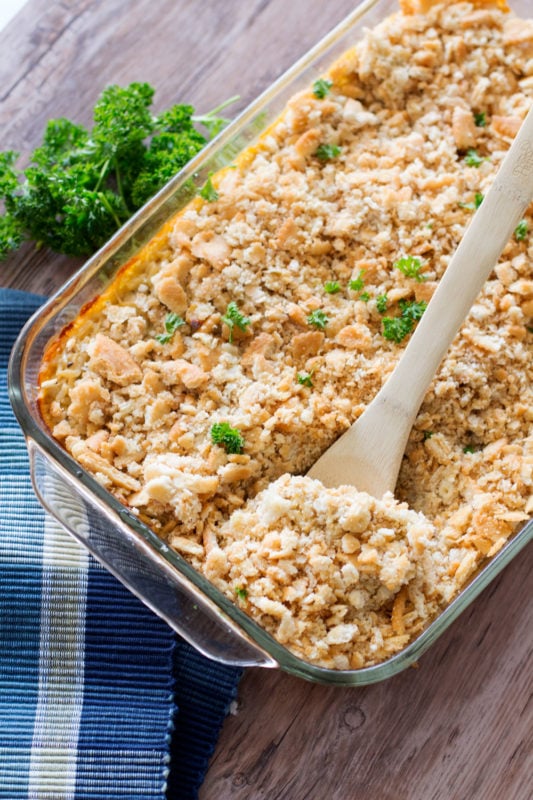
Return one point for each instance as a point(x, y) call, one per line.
point(235, 318)
point(357, 283)
point(520, 232)
point(172, 323)
point(473, 159)
point(321, 88)
point(305, 379)
point(332, 287)
point(397, 328)
point(231, 439)
point(478, 199)
point(318, 319)
point(208, 191)
point(381, 303)
point(427, 435)
point(410, 266)
point(480, 119)
point(241, 592)
point(413, 309)
point(364, 296)
point(468, 449)
point(325, 152)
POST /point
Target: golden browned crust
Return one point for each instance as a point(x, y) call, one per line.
point(136, 407)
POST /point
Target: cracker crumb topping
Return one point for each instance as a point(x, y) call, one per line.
point(226, 321)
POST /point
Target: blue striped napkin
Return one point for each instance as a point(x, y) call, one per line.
point(98, 697)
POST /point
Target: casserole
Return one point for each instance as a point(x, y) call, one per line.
point(141, 559)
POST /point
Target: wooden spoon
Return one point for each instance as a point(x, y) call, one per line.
point(369, 454)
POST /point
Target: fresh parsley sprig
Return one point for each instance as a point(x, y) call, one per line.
point(318, 319)
point(235, 319)
point(382, 302)
point(82, 184)
point(305, 379)
point(213, 121)
point(321, 87)
point(410, 266)
point(208, 191)
point(473, 159)
point(478, 199)
point(357, 284)
point(172, 323)
point(520, 232)
point(325, 152)
point(231, 439)
point(397, 328)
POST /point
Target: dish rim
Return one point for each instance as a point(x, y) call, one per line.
point(37, 434)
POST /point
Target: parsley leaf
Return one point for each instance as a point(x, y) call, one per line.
point(473, 159)
point(325, 152)
point(381, 303)
point(357, 283)
point(305, 379)
point(468, 449)
point(174, 142)
point(321, 88)
point(81, 185)
point(8, 174)
point(480, 119)
point(208, 191)
point(427, 435)
point(10, 235)
point(231, 439)
point(520, 231)
point(410, 266)
point(234, 318)
point(241, 592)
point(397, 328)
point(318, 319)
point(478, 199)
point(412, 309)
point(332, 287)
point(172, 323)
point(212, 120)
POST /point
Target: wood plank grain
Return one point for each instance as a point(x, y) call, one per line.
point(459, 727)
point(198, 53)
point(30, 37)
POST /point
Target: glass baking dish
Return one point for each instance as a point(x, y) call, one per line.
point(115, 536)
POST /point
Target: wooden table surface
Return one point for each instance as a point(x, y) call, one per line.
point(458, 727)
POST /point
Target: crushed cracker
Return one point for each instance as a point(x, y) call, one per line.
point(342, 579)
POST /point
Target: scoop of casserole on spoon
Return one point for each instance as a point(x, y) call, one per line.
point(368, 455)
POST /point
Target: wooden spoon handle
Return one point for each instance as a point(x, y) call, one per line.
point(369, 454)
point(479, 250)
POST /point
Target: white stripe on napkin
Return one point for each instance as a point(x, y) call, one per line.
point(61, 664)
